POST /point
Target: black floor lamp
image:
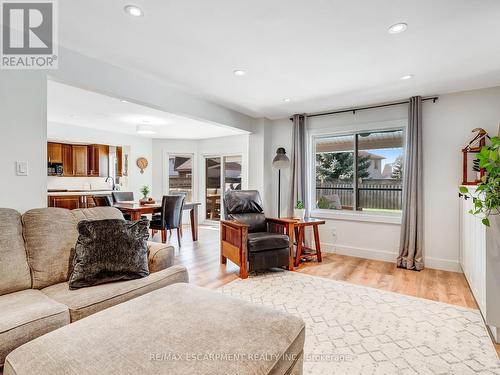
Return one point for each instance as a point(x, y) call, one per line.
point(280, 162)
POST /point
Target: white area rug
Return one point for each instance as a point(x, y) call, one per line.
point(352, 329)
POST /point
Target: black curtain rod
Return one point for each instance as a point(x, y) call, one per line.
point(353, 110)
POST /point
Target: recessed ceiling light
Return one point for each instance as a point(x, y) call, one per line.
point(408, 76)
point(145, 129)
point(124, 101)
point(398, 28)
point(286, 100)
point(133, 10)
point(239, 72)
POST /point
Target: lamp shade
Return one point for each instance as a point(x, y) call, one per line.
point(281, 161)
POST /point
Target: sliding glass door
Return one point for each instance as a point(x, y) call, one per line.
point(222, 173)
point(213, 173)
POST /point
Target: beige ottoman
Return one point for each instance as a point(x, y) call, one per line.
point(179, 329)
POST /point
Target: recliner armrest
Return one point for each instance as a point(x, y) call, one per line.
point(281, 221)
point(234, 224)
point(160, 256)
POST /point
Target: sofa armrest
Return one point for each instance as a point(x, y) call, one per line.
point(160, 256)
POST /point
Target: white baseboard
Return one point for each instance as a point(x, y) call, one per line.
point(359, 252)
point(387, 256)
point(443, 264)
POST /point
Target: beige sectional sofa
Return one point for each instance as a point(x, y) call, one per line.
point(34, 264)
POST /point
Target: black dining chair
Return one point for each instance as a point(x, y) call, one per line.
point(170, 217)
point(103, 200)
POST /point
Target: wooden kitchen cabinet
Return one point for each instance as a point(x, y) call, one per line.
point(69, 202)
point(81, 160)
point(98, 160)
point(103, 160)
point(54, 152)
point(67, 160)
point(80, 155)
point(119, 162)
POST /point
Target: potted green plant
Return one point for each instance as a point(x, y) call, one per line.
point(486, 197)
point(145, 190)
point(299, 211)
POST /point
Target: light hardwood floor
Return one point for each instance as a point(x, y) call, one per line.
point(201, 258)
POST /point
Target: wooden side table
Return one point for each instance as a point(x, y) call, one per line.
point(299, 227)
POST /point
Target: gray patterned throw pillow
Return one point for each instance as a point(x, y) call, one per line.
point(109, 250)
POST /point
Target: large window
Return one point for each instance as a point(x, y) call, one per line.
point(180, 175)
point(361, 171)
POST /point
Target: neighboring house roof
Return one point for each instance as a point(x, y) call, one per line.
point(185, 167)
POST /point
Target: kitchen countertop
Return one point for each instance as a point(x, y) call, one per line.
point(78, 192)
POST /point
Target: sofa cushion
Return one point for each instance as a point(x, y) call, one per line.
point(86, 301)
point(26, 315)
point(50, 234)
point(181, 320)
point(109, 250)
point(14, 269)
point(262, 241)
point(97, 213)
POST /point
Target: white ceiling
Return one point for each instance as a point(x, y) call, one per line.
point(323, 54)
point(74, 106)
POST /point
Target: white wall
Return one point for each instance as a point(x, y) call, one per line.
point(447, 129)
point(23, 125)
point(447, 126)
point(136, 146)
point(233, 145)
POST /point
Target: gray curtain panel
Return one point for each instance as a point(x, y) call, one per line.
point(411, 244)
point(298, 183)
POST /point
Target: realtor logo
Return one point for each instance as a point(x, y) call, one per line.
point(29, 37)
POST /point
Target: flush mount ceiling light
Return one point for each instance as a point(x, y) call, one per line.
point(133, 10)
point(406, 77)
point(145, 129)
point(286, 100)
point(239, 72)
point(398, 28)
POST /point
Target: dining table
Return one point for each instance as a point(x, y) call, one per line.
point(136, 210)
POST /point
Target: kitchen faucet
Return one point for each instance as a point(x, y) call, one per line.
point(112, 180)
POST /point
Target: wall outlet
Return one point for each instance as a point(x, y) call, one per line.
point(21, 168)
point(334, 234)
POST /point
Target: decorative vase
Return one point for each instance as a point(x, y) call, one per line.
point(299, 213)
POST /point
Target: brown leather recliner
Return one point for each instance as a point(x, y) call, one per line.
point(251, 240)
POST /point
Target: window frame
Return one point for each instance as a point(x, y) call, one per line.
point(353, 130)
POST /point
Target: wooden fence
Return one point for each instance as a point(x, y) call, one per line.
point(383, 195)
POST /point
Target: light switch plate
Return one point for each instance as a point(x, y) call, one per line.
point(21, 168)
